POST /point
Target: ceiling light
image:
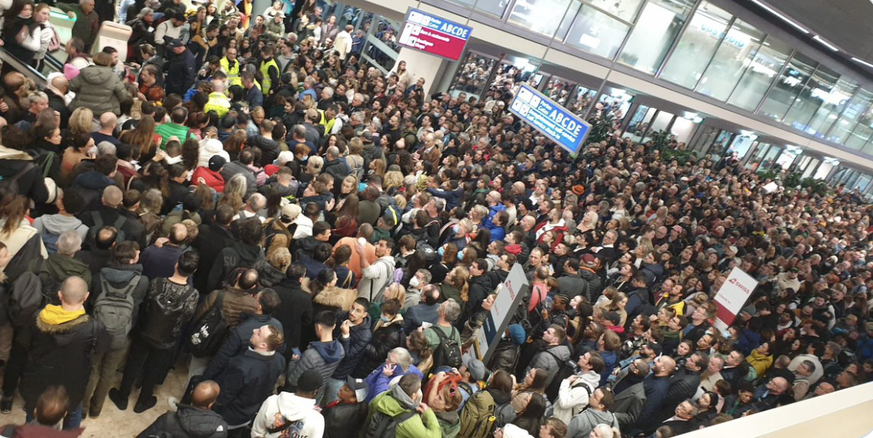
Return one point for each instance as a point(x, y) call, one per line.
point(825, 43)
point(861, 61)
point(780, 16)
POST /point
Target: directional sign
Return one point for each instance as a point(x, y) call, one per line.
point(553, 120)
point(509, 296)
point(434, 35)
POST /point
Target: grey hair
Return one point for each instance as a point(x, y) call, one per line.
point(608, 431)
point(451, 310)
point(106, 148)
point(69, 243)
point(143, 12)
point(257, 201)
point(37, 96)
point(402, 358)
point(236, 184)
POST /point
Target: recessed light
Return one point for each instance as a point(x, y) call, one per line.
point(825, 43)
point(861, 61)
point(780, 16)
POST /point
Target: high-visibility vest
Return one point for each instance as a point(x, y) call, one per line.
point(232, 73)
point(267, 83)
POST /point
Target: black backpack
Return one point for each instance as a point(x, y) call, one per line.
point(91, 238)
point(430, 254)
point(11, 184)
point(566, 369)
point(25, 299)
point(448, 353)
point(161, 321)
point(209, 331)
point(382, 425)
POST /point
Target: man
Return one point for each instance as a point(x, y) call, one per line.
point(269, 71)
point(172, 302)
point(698, 325)
point(213, 236)
point(403, 404)
point(480, 288)
point(254, 96)
point(181, 68)
point(439, 334)
point(376, 276)
point(801, 382)
point(265, 142)
point(57, 90)
point(295, 309)
point(767, 396)
point(61, 265)
point(737, 404)
point(63, 337)
point(175, 127)
point(426, 311)
point(244, 254)
point(571, 283)
point(293, 414)
point(160, 261)
point(598, 412)
point(638, 297)
point(684, 384)
point(108, 123)
point(250, 378)
point(575, 390)
point(51, 226)
point(169, 30)
point(231, 67)
point(630, 394)
point(680, 422)
point(360, 333)
point(196, 419)
point(323, 355)
point(348, 411)
point(87, 22)
point(37, 102)
point(712, 374)
point(343, 42)
point(553, 354)
point(656, 386)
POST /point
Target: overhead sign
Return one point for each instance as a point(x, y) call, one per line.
point(434, 35)
point(732, 296)
point(545, 115)
point(509, 295)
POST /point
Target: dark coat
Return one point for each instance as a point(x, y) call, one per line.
point(211, 239)
point(230, 258)
point(628, 404)
point(236, 343)
point(269, 148)
point(343, 417)
point(359, 338)
point(246, 382)
point(384, 339)
point(294, 312)
point(181, 72)
point(187, 422)
point(30, 183)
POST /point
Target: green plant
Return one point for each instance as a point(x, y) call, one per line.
point(814, 186)
point(660, 140)
point(601, 128)
point(792, 180)
point(770, 174)
point(681, 156)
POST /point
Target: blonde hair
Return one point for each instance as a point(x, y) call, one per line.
point(395, 291)
point(81, 121)
point(393, 178)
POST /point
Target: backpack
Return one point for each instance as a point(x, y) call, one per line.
point(483, 424)
point(91, 237)
point(55, 42)
point(356, 165)
point(430, 254)
point(114, 308)
point(382, 425)
point(11, 184)
point(162, 315)
point(448, 353)
point(566, 369)
point(45, 161)
point(25, 300)
point(209, 331)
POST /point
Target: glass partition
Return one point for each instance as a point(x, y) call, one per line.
point(491, 7)
point(597, 33)
point(541, 16)
point(626, 10)
point(472, 74)
point(862, 132)
point(831, 105)
point(734, 55)
point(765, 66)
point(658, 25)
point(696, 46)
point(683, 129)
point(770, 159)
point(580, 99)
point(559, 90)
point(849, 119)
point(788, 86)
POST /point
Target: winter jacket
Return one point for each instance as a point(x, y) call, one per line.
point(284, 408)
point(759, 361)
point(378, 382)
point(581, 425)
point(396, 402)
point(453, 197)
point(99, 89)
point(238, 256)
point(31, 182)
point(234, 167)
point(211, 240)
point(572, 399)
point(340, 418)
point(57, 268)
point(359, 338)
point(338, 168)
point(420, 313)
point(386, 337)
point(294, 312)
point(323, 357)
point(57, 224)
point(212, 179)
point(683, 385)
point(119, 276)
point(187, 422)
point(160, 262)
point(181, 73)
point(595, 283)
point(546, 360)
point(269, 148)
point(629, 403)
point(208, 149)
point(505, 356)
point(574, 285)
point(59, 352)
point(334, 298)
point(236, 343)
point(246, 382)
point(235, 302)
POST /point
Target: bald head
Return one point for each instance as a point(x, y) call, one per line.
point(60, 83)
point(178, 234)
point(205, 394)
point(108, 120)
point(74, 291)
point(112, 196)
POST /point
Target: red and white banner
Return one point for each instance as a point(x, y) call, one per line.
point(732, 297)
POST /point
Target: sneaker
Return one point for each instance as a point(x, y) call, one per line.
point(118, 399)
point(173, 402)
point(93, 414)
point(144, 405)
point(5, 405)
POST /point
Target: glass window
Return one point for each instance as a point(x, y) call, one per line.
point(654, 32)
point(581, 98)
point(849, 119)
point(539, 15)
point(696, 46)
point(811, 98)
point(788, 87)
point(831, 106)
point(683, 129)
point(472, 74)
point(736, 52)
point(862, 132)
point(493, 7)
point(624, 9)
point(559, 90)
point(597, 33)
point(761, 71)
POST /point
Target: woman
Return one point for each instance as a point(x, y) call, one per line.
point(21, 33)
point(534, 383)
point(142, 32)
point(47, 144)
point(530, 411)
point(98, 88)
point(456, 285)
point(327, 296)
point(142, 137)
point(422, 354)
point(706, 410)
point(81, 148)
point(477, 411)
point(387, 335)
point(339, 261)
point(346, 223)
point(15, 229)
point(442, 396)
point(46, 32)
point(761, 359)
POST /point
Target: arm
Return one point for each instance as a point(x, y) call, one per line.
point(232, 381)
point(431, 424)
point(159, 32)
point(259, 425)
point(229, 349)
point(571, 397)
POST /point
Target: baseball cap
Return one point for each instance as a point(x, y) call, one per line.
point(173, 43)
point(290, 212)
point(310, 381)
point(216, 162)
point(359, 386)
point(589, 259)
point(475, 367)
point(367, 136)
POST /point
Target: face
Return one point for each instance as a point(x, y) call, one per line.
point(683, 349)
point(549, 335)
point(5, 257)
point(27, 11)
point(55, 138)
point(260, 335)
point(43, 15)
point(357, 314)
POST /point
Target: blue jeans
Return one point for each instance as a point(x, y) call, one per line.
point(72, 421)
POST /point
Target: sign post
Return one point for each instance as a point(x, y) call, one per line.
point(434, 35)
point(509, 295)
point(554, 121)
point(731, 297)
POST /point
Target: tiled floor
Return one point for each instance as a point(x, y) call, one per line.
point(121, 424)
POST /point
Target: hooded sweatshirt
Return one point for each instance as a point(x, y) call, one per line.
point(323, 357)
point(188, 421)
point(572, 399)
point(395, 402)
point(57, 224)
point(582, 424)
point(287, 407)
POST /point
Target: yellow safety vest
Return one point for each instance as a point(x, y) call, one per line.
point(232, 73)
point(267, 83)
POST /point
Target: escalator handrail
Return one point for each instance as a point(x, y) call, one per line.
point(25, 69)
point(53, 62)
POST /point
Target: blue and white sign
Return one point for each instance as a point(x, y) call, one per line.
point(551, 119)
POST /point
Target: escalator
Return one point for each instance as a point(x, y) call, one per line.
point(11, 62)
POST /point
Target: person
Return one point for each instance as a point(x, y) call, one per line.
point(197, 419)
point(576, 390)
point(293, 414)
point(630, 394)
point(403, 404)
point(360, 333)
point(87, 21)
point(60, 335)
point(427, 311)
point(51, 408)
point(323, 355)
point(249, 379)
point(598, 412)
point(348, 411)
point(97, 87)
point(552, 354)
point(443, 335)
point(377, 275)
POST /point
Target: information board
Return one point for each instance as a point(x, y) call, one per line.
point(509, 296)
point(434, 35)
point(551, 119)
point(732, 296)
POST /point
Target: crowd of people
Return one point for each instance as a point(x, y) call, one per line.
point(319, 243)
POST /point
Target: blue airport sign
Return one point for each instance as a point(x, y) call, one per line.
point(554, 121)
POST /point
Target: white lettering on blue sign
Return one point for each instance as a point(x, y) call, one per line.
point(556, 122)
point(438, 24)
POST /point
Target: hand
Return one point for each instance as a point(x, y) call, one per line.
point(295, 357)
point(388, 371)
point(161, 241)
point(71, 15)
point(421, 408)
point(135, 66)
point(160, 155)
point(572, 378)
point(201, 180)
point(330, 204)
point(3, 106)
point(346, 327)
point(545, 314)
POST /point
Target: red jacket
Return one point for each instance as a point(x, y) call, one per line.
point(210, 178)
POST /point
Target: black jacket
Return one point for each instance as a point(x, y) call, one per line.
point(237, 342)
point(342, 418)
point(246, 382)
point(230, 258)
point(385, 339)
point(359, 338)
point(181, 72)
point(30, 183)
point(269, 148)
point(211, 239)
point(294, 312)
point(187, 422)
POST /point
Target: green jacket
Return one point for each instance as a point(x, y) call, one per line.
point(171, 129)
point(417, 426)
